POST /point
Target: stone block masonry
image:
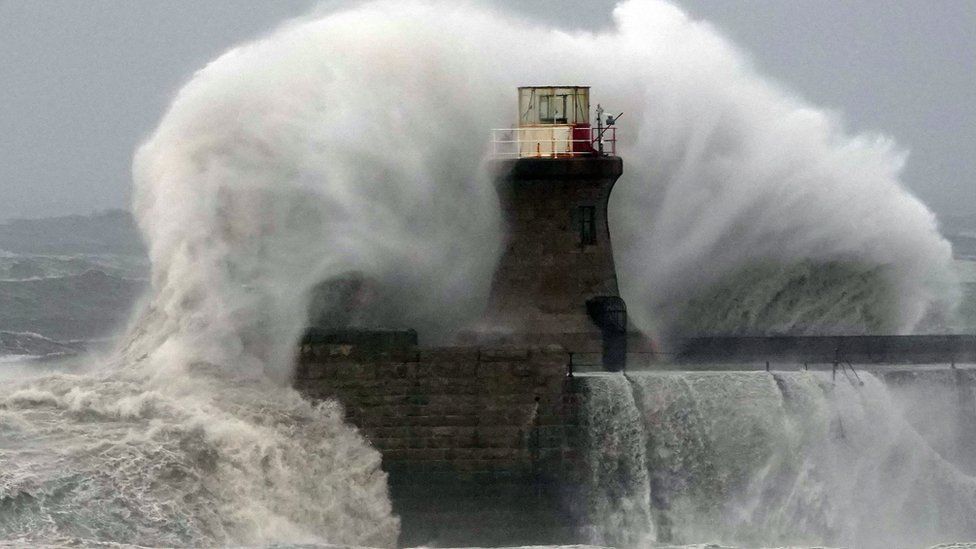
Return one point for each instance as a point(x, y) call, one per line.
point(477, 440)
point(477, 411)
point(557, 253)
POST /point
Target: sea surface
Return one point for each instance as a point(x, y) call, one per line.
point(67, 284)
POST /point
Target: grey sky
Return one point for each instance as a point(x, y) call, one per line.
point(82, 82)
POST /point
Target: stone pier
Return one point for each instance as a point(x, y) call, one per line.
point(480, 442)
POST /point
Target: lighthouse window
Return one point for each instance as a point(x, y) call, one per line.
point(587, 225)
point(552, 109)
point(559, 109)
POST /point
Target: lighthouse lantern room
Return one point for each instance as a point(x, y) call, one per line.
point(567, 105)
point(553, 122)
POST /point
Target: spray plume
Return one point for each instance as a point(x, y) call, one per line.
point(354, 143)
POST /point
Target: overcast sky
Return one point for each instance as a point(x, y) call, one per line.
point(82, 82)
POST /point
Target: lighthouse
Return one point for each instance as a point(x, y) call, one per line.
point(556, 282)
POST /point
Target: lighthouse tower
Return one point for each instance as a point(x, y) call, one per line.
point(556, 281)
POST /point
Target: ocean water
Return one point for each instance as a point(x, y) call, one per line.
point(678, 459)
point(57, 305)
point(115, 456)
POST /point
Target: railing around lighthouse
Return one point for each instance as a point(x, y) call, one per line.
point(558, 141)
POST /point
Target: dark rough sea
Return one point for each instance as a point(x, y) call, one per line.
point(67, 284)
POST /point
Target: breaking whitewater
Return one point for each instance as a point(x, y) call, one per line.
point(355, 141)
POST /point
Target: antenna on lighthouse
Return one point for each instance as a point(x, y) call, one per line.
point(600, 129)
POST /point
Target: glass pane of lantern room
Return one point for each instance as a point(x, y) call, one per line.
point(545, 114)
point(559, 109)
point(527, 111)
point(582, 107)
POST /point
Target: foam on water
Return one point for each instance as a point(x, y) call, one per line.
point(116, 458)
point(758, 459)
point(617, 482)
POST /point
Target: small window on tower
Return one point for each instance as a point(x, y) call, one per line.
point(587, 225)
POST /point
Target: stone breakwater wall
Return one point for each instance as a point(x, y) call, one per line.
point(478, 411)
point(498, 446)
point(905, 349)
point(480, 443)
